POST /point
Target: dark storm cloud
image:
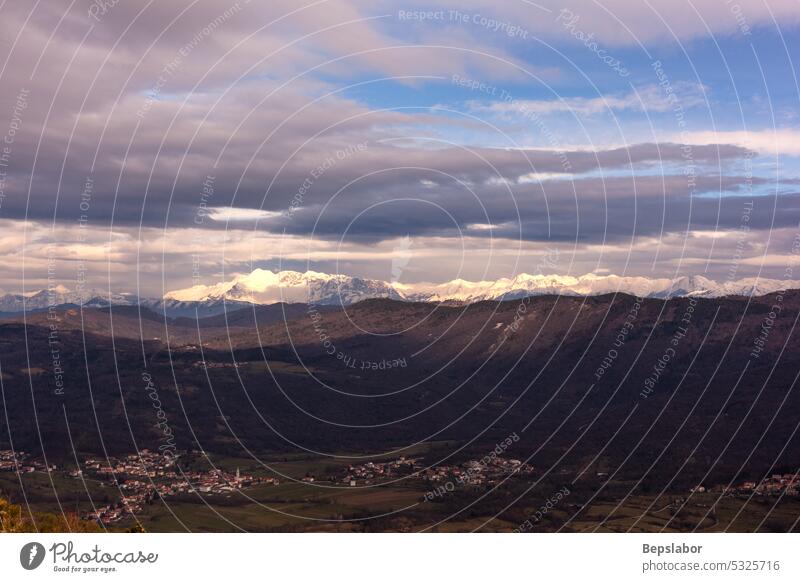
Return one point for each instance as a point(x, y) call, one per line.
point(266, 155)
point(585, 210)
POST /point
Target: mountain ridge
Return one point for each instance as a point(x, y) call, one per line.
point(264, 287)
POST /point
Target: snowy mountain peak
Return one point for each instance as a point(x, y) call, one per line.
point(262, 287)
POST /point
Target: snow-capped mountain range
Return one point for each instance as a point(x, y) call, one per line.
point(13, 303)
point(60, 295)
point(263, 287)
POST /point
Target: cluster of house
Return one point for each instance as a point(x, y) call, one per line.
point(144, 477)
point(472, 472)
point(776, 484)
point(368, 473)
point(21, 462)
point(787, 484)
point(478, 472)
point(218, 365)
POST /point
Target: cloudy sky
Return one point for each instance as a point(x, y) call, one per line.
point(151, 145)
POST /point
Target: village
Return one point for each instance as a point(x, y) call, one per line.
point(775, 485)
point(21, 462)
point(473, 472)
point(147, 476)
point(140, 479)
point(369, 473)
point(786, 484)
point(478, 472)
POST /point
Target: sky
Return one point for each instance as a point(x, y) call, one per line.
point(150, 146)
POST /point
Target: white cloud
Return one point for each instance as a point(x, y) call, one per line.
point(765, 142)
point(647, 99)
point(231, 214)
